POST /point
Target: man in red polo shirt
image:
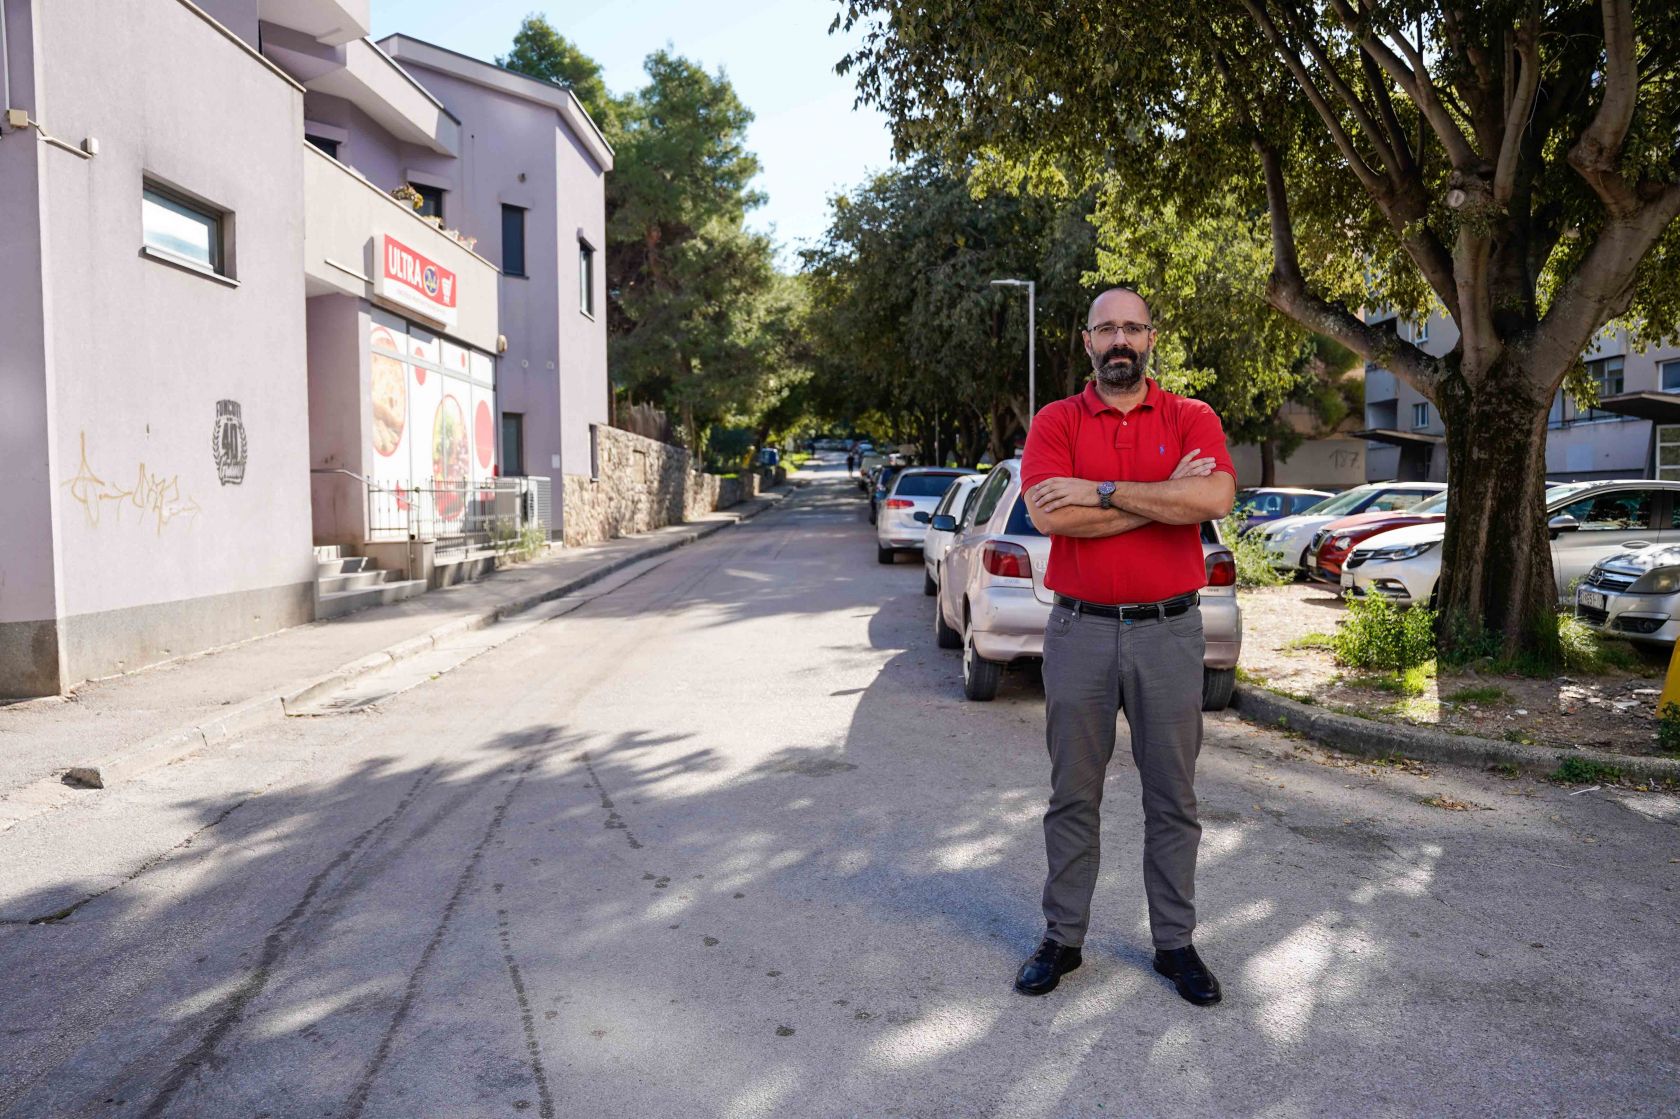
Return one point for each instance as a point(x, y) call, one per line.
point(1105, 481)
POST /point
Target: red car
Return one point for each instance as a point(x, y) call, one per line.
point(1331, 544)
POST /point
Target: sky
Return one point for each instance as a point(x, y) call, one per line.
point(778, 54)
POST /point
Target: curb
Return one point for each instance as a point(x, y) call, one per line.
point(1369, 738)
point(179, 745)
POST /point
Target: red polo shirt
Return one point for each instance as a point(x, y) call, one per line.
point(1082, 437)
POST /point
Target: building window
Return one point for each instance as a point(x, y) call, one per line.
point(513, 240)
point(184, 230)
point(586, 278)
point(513, 444)
point(1668, 462)
point(1606, 374)
point(1420, 416)
point(1420, 332)
point(326, 145)
point(431, 200)
point(1671, 376)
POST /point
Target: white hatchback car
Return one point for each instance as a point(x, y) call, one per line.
point(1635, 595)
point(936, 544)
point(993, 605)
point(912, 491)
point(1588, 522)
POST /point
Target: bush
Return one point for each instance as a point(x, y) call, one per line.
point(1377, 634)
point(1253, 568)
point(1580, 771)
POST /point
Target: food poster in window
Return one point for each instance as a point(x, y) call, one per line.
point(423, 345)
point(483, 439)
point(452, 455)
point(391, 430)
point(426, 391)
point(454, 359)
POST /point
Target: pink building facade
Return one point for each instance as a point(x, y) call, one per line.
point(220, 330)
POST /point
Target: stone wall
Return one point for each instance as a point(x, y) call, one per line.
point(644, 485)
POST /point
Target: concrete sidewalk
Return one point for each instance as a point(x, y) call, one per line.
point(128, 724)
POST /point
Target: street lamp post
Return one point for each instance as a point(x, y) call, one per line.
point(1032, 327)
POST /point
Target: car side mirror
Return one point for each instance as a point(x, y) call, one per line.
point(922, 517)
point(942, 523)
point(1563, 522)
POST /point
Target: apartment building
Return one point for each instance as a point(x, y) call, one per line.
point(1634, 432)
point(223, 334)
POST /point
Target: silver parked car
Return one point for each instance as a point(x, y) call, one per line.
point(1635, 595)
point(912, 491)
point(993, 605)
point(935, 544)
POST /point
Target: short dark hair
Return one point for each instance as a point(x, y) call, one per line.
point(1129, 290)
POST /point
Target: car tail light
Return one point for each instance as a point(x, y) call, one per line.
point(1007, 560)
point(900, 503)
point(1221, 570)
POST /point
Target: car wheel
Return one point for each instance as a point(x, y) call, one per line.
point(884, 555)
point(943, 635)
point(1217, 684)
point(928, 585)
point(981, 677)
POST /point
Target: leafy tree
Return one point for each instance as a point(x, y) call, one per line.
point(693, 310)
point(1513, 162)
point(542, 52)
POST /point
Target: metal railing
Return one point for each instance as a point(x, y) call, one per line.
point(457, 515)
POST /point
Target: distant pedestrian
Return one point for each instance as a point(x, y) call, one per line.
point(1114, 479)
point(851, 463)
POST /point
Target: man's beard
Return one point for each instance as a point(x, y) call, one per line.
point(1122, 367)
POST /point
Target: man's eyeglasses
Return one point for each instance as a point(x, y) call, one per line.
point(1106, 332)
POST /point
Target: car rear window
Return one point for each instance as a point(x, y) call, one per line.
point(1019, 524)
point(924, 485)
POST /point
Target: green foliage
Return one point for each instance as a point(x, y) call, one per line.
point(1668, 729)
point(1582, 771)
point(1312, 641)
point(542, 52)
point(1377, 634)
point(1254, 569)
point(1485, 693)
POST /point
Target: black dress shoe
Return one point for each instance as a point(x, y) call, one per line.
point(1040, 974)
point(1194, 981)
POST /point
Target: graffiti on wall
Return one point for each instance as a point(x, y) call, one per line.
point(154, 497)
point(228, 443)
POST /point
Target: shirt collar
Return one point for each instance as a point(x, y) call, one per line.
point(1096, 405)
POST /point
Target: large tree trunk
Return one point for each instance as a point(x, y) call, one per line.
point(1268, 462)
point(1496, 594)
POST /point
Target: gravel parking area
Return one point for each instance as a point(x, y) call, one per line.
point(1616, 711)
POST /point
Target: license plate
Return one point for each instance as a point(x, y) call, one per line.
point(1347, 578)
point(1590, 599)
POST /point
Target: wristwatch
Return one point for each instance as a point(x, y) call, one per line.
point(1105, 495)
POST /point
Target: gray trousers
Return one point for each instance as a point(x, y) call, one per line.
point(1152, 669)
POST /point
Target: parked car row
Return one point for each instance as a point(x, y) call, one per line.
point(984, 563)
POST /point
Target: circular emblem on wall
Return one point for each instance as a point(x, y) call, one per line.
point(228, 444)
point(430, 279)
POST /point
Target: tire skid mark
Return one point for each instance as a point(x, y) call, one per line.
point(527, 1019)
point(614, 820)
point(411, 990)
point(275, 946)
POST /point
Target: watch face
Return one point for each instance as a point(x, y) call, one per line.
point(1105, 488)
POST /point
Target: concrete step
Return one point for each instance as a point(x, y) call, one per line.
point(329, 551)
point(344, 565)
point(339, 603)
point(350, 581)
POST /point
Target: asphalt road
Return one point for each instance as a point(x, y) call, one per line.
point(727, 841)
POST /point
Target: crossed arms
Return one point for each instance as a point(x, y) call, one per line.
point(1194, 493)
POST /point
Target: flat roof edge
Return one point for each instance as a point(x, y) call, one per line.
point(241, 44)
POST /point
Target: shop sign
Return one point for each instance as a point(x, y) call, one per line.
point(411, 280)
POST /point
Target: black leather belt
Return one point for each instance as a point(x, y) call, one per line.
point(1167, 608)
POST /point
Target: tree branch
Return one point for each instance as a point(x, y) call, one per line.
point(1369, 179)
point(1378, 81)
point(1414, 79)
point(1517, 112)
point(1287, 291)
point(1603, 286)
point(1596, 153)
point(1356, 106)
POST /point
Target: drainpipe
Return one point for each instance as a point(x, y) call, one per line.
point(5, 64)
